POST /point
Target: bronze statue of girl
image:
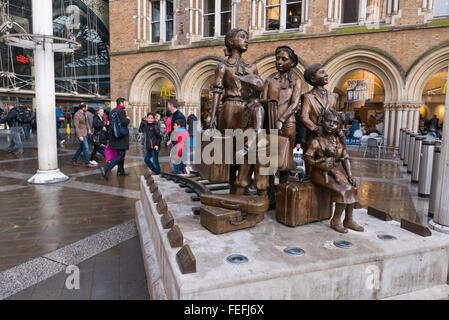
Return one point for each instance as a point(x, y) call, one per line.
point(286, 89)
point(324, 154)
point(227, 81)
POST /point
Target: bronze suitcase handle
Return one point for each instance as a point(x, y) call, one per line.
point(230, 206)
point(237, 223)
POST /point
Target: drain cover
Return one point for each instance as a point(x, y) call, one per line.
point(294, 251)
point(343, 244)
point(386, 237)
point(237, 259)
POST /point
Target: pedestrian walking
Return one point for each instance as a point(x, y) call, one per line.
point(59, 121)
point(153, 144)
point(26, 124)
point(15, 130)
point(82, 129)
point(118, 139)
point(99, 136)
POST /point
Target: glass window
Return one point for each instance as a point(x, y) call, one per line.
point(350, 11)
point(155, 21)
point(294, 10)
point(273, 15)
point(225, 16)
point(209, 18)
point(375, 10)
point(441, 8)
point(169, 20)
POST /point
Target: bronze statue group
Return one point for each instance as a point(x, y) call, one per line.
point(250, 102)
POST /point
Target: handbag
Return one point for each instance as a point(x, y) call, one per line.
point(96, 139)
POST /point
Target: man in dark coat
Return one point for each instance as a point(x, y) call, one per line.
point(15, 129)
point(121, 144)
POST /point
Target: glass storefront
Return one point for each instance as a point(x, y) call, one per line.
point(161, 91)
point(362, 97)
point(86, 71)
point(434, 96)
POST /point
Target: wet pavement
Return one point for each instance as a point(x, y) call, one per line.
point(37, 221)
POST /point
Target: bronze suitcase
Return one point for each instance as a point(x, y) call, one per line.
point(284, 156)
point(250, 204)
point(215, 172)
point(298, 204)
point(220, 220)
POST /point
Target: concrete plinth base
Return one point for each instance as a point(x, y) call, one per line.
point(438, 227)
point(407, 267)
point(47, 177)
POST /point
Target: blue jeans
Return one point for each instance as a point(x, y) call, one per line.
point(84, 148)
point(119, 161)
point(58, 134)
point(26, 130)
point(178, 168)
point(15, 140)
point(153, 165)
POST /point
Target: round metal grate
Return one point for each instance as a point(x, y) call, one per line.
point(294, 251)
point(343, 244)
point(237, 259)
point(386, 237)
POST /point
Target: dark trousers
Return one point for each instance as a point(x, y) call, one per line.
point(153, 165)
point(119, 161)
point(96, 149)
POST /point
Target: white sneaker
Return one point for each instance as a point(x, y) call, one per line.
point(62, 141)
point(95, 163)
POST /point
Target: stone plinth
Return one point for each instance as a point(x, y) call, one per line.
point(410, 267)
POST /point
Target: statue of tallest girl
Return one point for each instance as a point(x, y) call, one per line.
point(227, 85)
point(227, 82)
point(286, 89)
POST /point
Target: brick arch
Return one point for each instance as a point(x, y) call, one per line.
point(147, 76)
point(195, 77)
point(373, 61)
point(423, 68)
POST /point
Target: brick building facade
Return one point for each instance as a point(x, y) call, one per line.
point(172, 47)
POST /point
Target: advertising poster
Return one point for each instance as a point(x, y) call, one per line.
point(358, 90)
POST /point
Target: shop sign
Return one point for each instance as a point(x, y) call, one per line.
point(166, 93)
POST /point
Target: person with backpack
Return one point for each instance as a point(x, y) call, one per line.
point(26, 122)
point(153, 144)
point(59, 121)
point(15, 129)
point(118, 139)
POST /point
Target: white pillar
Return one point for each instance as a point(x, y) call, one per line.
point(362, 11)
point(197, 19)
point(191, 18)
point(138, 20)
point(416, 119)
point(398, 128)
point(329, 9)
point(392, 126)
point(441, 215)
point(403, 124)
point(386, 123)
point(253, 14)
point(259, 15)
point(48, 171)
point(411, 117)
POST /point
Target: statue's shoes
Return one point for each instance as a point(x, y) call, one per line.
point(353, 226)
point(339, 227)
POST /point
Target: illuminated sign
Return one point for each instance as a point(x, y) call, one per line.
point(166, 90)
point(445, 88)
point(22, 59)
